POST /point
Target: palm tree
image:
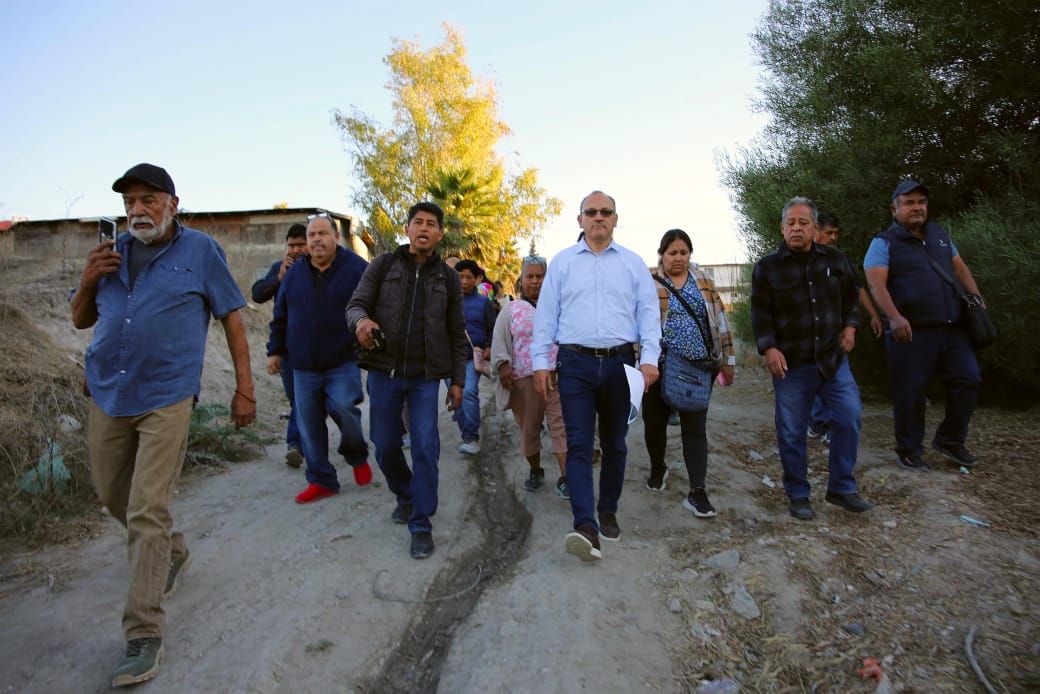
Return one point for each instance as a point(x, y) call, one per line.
point(471, 214)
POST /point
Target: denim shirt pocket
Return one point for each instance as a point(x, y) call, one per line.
point(175, 280)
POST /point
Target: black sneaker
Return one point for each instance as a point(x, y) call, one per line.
point(813, 433)
point(958, 454)
point(534, 481)
point(697, 501)
point(401, 513)
point(141, 662)
point(422, 545)
point(562, 489)
point(850, 502)
point(655, 482)
point(176, 569)
point(801, 509)
point(583, 542)
point(914, 463)
point(609, 529)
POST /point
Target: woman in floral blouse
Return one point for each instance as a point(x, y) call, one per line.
point(682, 333)
point(511, 356)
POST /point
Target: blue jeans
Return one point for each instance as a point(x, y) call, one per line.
point(591, 386)
point(468, 416)
point(292, 432)
point(941, 350)
point(336, 392)
point(818, 419)
point(417, 486)
point(794, 396)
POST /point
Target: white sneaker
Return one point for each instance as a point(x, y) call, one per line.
point(470, 447)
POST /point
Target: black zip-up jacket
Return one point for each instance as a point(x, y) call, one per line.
point(427, 325)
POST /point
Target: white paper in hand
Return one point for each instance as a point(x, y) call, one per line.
point(636, 385)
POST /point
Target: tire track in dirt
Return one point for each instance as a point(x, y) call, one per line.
point(414, 665)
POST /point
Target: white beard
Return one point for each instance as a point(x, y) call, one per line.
point(147, 236)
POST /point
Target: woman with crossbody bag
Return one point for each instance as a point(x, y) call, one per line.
point(693, 323)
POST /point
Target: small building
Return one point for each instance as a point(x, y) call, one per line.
point(252, 239)
point(730, 280)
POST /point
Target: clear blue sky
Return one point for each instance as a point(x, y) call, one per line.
point(234, 99)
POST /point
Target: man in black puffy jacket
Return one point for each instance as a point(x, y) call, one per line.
point(407, 315)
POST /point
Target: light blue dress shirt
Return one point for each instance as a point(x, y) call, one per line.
point(603, 300)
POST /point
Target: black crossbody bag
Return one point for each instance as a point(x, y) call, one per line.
point(977, 323)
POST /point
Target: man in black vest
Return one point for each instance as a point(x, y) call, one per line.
point(924, 332)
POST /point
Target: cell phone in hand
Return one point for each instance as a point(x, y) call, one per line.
point(378, 340)
point(106, 230)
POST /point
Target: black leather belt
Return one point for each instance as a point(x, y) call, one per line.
point(601, 352)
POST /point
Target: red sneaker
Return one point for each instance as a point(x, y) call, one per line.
point(313, 492)
point(362, 474)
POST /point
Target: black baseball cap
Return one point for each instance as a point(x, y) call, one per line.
point(907, 187)
point(148, 174)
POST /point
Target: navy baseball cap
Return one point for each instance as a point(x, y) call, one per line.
point(148, 174)
point(908, 186)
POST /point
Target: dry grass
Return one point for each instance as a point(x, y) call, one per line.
point(39, 384)
point(911, 573)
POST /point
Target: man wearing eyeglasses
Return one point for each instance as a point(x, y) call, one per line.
point(597, 301)
point(150, 295)
point(407, 315)
point(308, 325)
point(265, 289)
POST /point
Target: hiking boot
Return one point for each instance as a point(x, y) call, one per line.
point(609, 529)
point(583, 542)
point(655, 482)
point(470, 447)
point(697, 501)
point(313, 492)
point(914, 463)
point(141, 662)
point(850, 502)
point(401, 513)
point(422, 544)
point(362, 474)
point(177, 567)
point(801, 509)
point(534, 481)
point(562, 489)
point(294, 457)
point(958, 454)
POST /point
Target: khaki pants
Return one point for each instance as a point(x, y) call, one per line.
point(135, 462)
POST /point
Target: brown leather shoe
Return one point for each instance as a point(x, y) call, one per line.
point(583, 543)
point(609, 529)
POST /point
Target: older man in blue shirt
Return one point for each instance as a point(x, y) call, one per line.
point(597, 301)
point(150, 295)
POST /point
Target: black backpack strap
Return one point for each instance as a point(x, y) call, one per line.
point(709, 341)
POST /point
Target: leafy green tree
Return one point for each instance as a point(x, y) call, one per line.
point(442, 144)
point(865, 93)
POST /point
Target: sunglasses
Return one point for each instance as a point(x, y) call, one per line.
point(603, 212)
point(311, 217)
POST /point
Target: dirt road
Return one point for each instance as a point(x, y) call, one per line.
point(289, 598)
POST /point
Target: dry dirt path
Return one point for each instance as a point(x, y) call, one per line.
point(284, 598)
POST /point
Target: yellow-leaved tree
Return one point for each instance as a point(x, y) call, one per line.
point(441, 147)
